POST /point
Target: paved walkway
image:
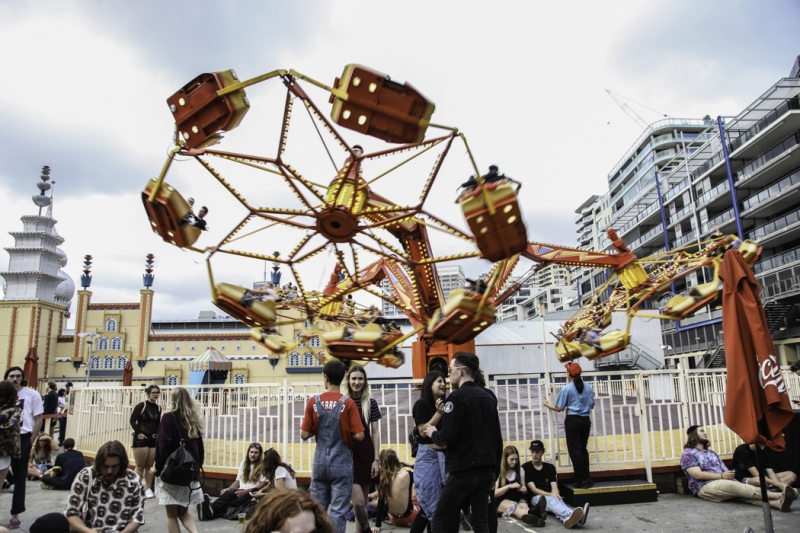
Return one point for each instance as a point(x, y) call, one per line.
point(673, 512)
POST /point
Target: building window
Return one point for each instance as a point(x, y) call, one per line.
point(172, 380)
point(308, 359)
point(162, 348)
point(116, 343)
point(222, 347)
point(191, 348)
point(306, 324)
point(94, 362)
point(294, 359)
point(102, 343)
point(315, 342)
point(238, 379)
point(121, 362)
point(111, 324)
point(253, 347)
point(108, 361)
point(178, 348)
point(238, 346)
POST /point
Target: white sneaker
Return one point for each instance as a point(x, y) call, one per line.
point(148, 494)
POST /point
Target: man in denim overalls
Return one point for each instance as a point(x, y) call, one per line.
point(333, 419)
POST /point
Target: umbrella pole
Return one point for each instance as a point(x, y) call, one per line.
point(762, 478)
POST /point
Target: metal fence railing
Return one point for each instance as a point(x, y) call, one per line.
point(639, 419)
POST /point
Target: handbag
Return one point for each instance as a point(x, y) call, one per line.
point(413, 439)
point(180, 467)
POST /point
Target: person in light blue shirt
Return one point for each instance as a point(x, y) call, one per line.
point(577, 399)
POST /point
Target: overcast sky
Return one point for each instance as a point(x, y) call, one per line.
point(84, 86)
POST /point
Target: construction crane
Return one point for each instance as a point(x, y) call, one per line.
point(627, 109)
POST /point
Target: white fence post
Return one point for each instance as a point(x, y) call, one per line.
point(644, 425)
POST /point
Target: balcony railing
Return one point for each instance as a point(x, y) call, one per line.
point(675, 189)
point(641, 216)
point(785, 258)
point(679, 215)
point(776, 225)
point(777, 150)
point(684, 239)
point(646, 237)
point(718, 220)
point(772, 190)
point(783, 108)
point(713, 193)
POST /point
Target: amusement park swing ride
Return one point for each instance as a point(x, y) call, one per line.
point(350, 220)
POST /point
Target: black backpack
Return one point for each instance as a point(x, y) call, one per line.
point(180, 467)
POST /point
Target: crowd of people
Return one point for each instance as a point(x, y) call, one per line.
point(462, 474)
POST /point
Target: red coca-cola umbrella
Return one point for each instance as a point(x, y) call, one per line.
point(127, 376)
point(757, 406)
point(31, 371)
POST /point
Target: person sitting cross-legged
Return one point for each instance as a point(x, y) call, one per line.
point(542, 482)
point(744, 462)
point(250, 479)
point(107, 496)
point(68, 464)
point(711, 480)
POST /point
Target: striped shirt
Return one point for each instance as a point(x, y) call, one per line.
point(374, 411)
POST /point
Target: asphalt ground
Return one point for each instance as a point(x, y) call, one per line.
point(673, 512)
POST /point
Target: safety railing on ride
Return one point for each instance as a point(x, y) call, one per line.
point(638, 422)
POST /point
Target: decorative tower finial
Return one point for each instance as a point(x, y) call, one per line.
point(40, 199)
point(148, 271)
point(275, 275)
point(86, 279)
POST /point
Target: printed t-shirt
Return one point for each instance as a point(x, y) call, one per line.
point(289, 481)
point(707, 460)
point(248, 486)
point(541, 479)
point(349, 421)
point(30, 403)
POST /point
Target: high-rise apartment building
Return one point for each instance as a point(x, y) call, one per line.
point(451, 277)
point(685, 180)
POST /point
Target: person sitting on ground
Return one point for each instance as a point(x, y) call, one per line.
point(68, 464)
point(41, 459)
point(396, 494)
point(710, 479)
point(511, 494)
point(289, 511)
point(542, 481)
point(249, 480)
point(279, 475)
point(107, 496)
point(744, 463)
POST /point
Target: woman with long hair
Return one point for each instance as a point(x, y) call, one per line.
point(429, 474)
point(510, 491)
point(577, 398)
point(279, 475)
point(9, 427)
point(396, 495)
point(289, 511)
point(251, 478)
point(365, 452)
point(41, 459)
point(183, 422)
point(145, 420)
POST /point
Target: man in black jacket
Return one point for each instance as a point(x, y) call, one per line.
point(471, 432)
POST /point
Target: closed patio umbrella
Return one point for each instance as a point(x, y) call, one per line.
point(127, 375)
point(31, 371)
point(757, 406)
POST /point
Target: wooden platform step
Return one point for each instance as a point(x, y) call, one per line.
point(614, 492)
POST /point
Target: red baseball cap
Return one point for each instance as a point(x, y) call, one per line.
point(573, 369)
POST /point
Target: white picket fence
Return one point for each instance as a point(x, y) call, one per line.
point(639, 419)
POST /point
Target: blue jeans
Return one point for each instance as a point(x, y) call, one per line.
point(332, 484)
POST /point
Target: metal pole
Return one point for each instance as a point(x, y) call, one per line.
point(731, 182)
point(89, 363)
